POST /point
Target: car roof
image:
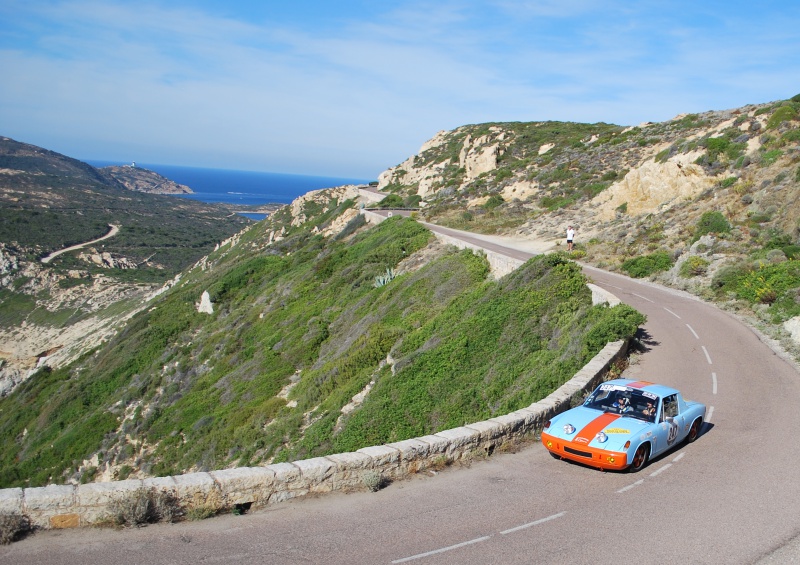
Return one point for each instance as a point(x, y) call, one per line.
point(657, 389)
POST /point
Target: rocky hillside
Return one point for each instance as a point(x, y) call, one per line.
point(310, 333)
point(52, 310)
point(630, 192)
point(288, 340)
point(143, 180)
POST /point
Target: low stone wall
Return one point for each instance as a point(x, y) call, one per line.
point(69, 506)
point(500, 264)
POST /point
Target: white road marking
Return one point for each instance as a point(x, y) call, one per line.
point(629, 487)
point(536, 523)
point(678, 458)
point(694, 333)
point(713, 383)
point(442, 550)
point(708, 357)
point(671, 312)
point(640, 296)
point(661, 470)
point(709, 412)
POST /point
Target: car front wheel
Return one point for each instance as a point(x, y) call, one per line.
point(694, 431)
point(640, 458)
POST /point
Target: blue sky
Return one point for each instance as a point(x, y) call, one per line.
point(352, 88)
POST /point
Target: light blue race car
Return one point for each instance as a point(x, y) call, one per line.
point(622, 424)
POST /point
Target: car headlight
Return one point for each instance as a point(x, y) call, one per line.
point(601, 437)
point(569, 429)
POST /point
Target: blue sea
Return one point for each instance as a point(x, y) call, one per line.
point(240, 187)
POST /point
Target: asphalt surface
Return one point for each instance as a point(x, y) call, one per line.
point(731, 497)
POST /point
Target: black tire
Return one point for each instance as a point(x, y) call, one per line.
point(694, 431)
point(640, 458)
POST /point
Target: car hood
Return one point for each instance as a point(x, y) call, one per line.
point(588, 422)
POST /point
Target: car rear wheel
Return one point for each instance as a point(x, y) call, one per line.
point(694, 431)
point(640, 458)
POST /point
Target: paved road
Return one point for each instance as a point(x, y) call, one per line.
point(731, 497)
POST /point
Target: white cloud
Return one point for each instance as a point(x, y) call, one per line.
point(183, 86)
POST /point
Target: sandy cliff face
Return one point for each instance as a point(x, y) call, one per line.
point(652, 187)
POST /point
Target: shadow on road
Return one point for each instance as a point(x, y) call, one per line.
point(643, 341)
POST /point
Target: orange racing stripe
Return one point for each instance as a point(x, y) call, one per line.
point(639, 384)
point(590, 430)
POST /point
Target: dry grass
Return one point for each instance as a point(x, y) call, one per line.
point(13, 527)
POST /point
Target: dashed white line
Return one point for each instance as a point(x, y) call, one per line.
point(640, 296)
point(713, 383)
point(629, 487)
point(477, 540)
point(678, 458)
point(708, 357)
point(671, 312)
point(536, 523)
point(661, 470)
point(442, 550)
point(694, 333)
point(709, 412)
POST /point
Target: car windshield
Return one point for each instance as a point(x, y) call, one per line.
point(624, 400)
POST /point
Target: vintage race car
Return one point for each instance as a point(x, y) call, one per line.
point(622, 424)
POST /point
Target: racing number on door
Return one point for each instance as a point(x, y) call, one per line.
point(670, 415)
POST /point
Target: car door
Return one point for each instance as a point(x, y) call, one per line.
point(670, 424)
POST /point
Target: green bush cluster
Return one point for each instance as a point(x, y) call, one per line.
point(711, 222)
point(646, 265)
point(694, 266)
point(307, 312)
point(782, 114)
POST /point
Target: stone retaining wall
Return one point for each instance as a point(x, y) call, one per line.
point(69, 506)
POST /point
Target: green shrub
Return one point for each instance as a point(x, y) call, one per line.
point(782, 114)
point(711, 222)
point(725, 278)
point(391, 201)
point(728, 182)
point(694, 266)
point(647, 265)
point(763, 285)
point(769, 157)
point(503, 174)
point(494, 201)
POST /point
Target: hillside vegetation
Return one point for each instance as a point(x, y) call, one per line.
point(300, 327)
point(49, 201)
point(319, 333)
point(706, 202)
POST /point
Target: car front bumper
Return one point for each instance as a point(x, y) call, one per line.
point(582, 453)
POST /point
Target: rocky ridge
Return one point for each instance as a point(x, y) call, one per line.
point(144, 180)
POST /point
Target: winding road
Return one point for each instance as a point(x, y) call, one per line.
point(113, 230)
point(733, 496)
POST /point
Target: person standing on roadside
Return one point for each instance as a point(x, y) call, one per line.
point(570, 237)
